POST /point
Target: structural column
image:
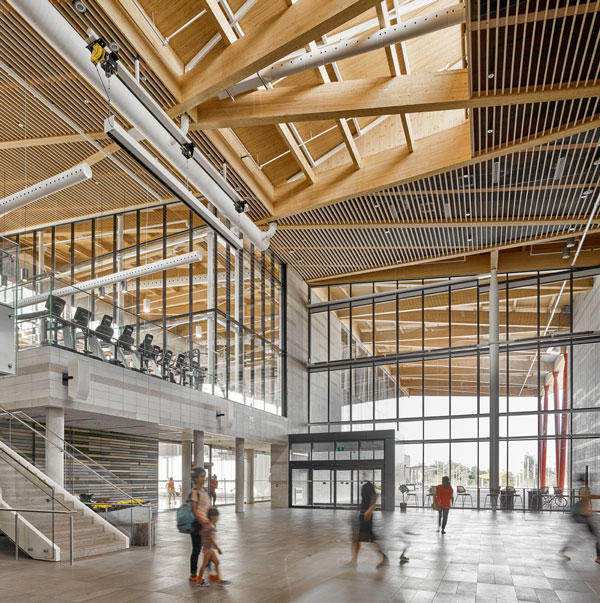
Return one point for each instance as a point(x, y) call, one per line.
point(198, 448)
point(250, 477)
point(55, 433)
point(186, 468)
point(494, 382)
point(239, 475)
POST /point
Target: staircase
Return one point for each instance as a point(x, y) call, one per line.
point(46, 535)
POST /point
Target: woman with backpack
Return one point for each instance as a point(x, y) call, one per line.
point(200, 504)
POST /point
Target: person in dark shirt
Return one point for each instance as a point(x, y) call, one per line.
point(363, 532)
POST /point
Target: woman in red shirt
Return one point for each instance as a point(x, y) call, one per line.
point(444, 496)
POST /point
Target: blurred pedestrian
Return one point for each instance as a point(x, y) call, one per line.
point(214, 484)
point(363, 532)
point(444, 497)
point(582, 514)
point(171, 490)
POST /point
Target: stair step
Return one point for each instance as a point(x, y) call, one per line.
point(79, 532)
point(86, 540)
point(93, 551)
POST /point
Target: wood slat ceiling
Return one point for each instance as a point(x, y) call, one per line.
point(508, 45)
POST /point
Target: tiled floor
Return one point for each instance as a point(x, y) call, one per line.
point(299, 555)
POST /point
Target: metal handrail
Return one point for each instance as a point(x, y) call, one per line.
point(44, 428)
point(35, 476)
point(17, 511)
point(3, 410)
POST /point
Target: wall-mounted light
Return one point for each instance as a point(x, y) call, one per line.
point(566, 252)
point(146, 305)
point(101, 292)
point(198, 332)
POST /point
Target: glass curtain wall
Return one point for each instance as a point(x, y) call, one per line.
point(415, 357)
point(223, 313)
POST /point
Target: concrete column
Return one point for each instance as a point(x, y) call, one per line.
point(494, 382)
point(186, 468)
point(239, 475)
point(55, 432)
point(250, 477)
point(198, 448)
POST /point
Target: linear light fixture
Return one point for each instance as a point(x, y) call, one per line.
point(150, 163)
point(57, 183)
point(123, 275)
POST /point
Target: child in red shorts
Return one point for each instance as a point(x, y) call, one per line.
point(209, 548)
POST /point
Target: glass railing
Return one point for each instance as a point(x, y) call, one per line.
point(51, 312)
point(9, 275)
point(206, 350)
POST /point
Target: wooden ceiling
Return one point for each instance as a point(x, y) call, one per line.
point(490, 144)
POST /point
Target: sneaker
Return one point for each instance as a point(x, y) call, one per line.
point(202, 582)
point(443, 531)
point(224, 582)
point(193, 578)
point(213, 577)
point(404, 559)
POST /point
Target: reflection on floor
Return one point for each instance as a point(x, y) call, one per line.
point(299, 554)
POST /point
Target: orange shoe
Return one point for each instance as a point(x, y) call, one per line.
point(193, 578)
point(213, 577)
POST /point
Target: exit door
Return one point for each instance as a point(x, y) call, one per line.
point(328, 485)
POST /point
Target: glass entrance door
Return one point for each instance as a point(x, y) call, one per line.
point(323, 490)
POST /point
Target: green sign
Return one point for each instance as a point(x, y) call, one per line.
point(340, 448)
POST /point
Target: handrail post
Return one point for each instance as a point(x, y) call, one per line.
point(16, 536)
point(150, 527)
point(71, 539)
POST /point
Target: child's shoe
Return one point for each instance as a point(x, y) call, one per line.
point(224, 582)
point(213, 577)
point(193, 578)
point(203, 582)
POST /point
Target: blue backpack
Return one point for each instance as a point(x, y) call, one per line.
point(186, 517)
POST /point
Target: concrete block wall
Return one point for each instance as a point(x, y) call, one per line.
point(586, 385)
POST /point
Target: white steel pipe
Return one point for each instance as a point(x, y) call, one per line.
point(61, 37)
point(57, 183)
point(324, 55)
point(123, 275)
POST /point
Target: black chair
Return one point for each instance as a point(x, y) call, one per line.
point(462, 493)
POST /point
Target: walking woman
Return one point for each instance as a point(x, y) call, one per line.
point(200, 505)
point(444, 496)
point(364, 533)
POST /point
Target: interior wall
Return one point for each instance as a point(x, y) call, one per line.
point(297, 383)
point(586, 387)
